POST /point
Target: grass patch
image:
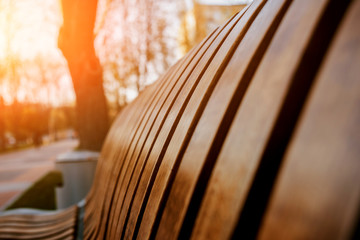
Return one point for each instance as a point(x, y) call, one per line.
point(41, 195)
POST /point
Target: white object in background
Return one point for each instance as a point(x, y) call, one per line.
point(78, 170)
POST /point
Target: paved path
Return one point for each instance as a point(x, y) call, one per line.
point(18, 170)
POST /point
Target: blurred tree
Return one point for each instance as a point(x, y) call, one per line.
point(45, 74)
point(33, 73)
point(136, 42)
point(76, 39)
point(26, 122)
point(187, 26)
point(198, 19)
point(14, 119)
point(209, 16)
point(70, 114)
point(11, 64)
point(33, 124)
point(58, 121)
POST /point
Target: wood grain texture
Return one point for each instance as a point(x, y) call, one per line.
point(253, 134)
point(105, 168)
point(317, 193)
point(184, 107)
point(57, 225)
point(217, 218)
point(137, 150)
point(162, 129)
point(170, 226)
point(117, 169)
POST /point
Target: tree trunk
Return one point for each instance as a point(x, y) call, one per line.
point(76, 41)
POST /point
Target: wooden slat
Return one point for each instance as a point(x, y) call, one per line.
point(104, 168)
point(212, 128)
point(128, 136)
point(197, 154)
point(126, 131)
point(117, 158)
point(122, 126)
point(47, 226)
point(317, 195)
point(183, 82)
point(134, 143)
point(181, 107)
point(47, 217)
point(156, 148)
point(183, 104)
point(94, 202)
point(253, 124)
point(126, 173)
point(169, 227)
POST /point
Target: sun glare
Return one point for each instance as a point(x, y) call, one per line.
point(31, 64)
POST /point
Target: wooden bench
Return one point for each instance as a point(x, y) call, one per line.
point(254, 133)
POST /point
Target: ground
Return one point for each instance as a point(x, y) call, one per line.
point(18, 170)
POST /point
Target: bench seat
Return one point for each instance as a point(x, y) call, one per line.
point(253, 134)
point(36, 224)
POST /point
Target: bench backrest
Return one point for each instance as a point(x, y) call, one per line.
point(255, 132)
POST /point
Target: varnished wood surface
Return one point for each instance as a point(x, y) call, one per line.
point(248, 138)
point(59, 225)
point(253, 134)
point(317, 193)
point(187, 103)
point(135, 152)
point(188, 170)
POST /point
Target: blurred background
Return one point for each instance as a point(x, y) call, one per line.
point(67, 67)
point(135, 41)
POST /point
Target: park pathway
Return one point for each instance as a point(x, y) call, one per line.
point(18, 170)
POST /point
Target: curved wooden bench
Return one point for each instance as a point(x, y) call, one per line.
point(254, 133)
point(37, 224)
